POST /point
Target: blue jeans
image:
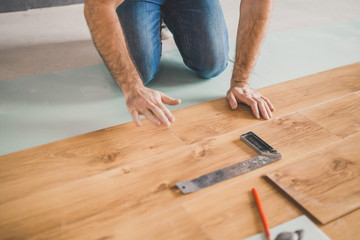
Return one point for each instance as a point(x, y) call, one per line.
point(198, 27)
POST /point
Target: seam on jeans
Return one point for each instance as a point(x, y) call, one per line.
point(160, 47)
point(129, 52)
point(185, 39)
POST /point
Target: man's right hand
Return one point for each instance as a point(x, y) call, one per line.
point(110, 41)
point(150, 103)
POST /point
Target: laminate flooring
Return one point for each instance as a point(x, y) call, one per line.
point(326, 182)
point(119, 182)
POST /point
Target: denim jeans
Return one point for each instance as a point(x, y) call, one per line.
point(198, 27)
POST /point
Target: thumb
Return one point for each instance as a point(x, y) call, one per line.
point(169, 101)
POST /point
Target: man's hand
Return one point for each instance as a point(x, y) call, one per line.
point(150, 103)
point(254, 18)
point(245, 94)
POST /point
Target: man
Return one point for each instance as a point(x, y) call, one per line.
point(127, 35)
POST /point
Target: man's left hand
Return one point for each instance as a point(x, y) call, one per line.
point(245, 94)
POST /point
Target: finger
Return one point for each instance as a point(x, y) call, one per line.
point(167, 113)
point(268, 106)
point(160, 115)
point(135, 116)
point(250, 102)
point(268, 110)
point(272, 108)
point(262, 108)
point(232, 100)
point(255, 108)
point(152, 118)
point(169, 100)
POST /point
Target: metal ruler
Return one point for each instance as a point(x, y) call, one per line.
point(267, 155)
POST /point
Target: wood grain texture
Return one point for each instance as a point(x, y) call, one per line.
point(210, 119)
point(314, 89)
point(142, 189)
point(340, 116)
point(231, 213)
point(54, 164)
point(116, 198)
point(344, 228)
point(173, 224)
point(294, 136)
point(121, 196)
point(215, 117)
point(326, 182)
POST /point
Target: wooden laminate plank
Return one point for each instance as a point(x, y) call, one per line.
point(314, 89)
point(210, 119)
point(105, 201)
point(294, 136)
point(54, 164)
point(137, 191)
point(231, 212)
point(173, 224)
point(121, 196)
point(340, 116)
point(326, 182)
point(215, 117)
point(344, 228)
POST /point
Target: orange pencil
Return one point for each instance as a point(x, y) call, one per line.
point(263, 219)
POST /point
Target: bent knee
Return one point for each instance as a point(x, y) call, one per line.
point(213, 67)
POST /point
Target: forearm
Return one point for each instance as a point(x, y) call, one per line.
point(110, 42)
point(254, 18)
